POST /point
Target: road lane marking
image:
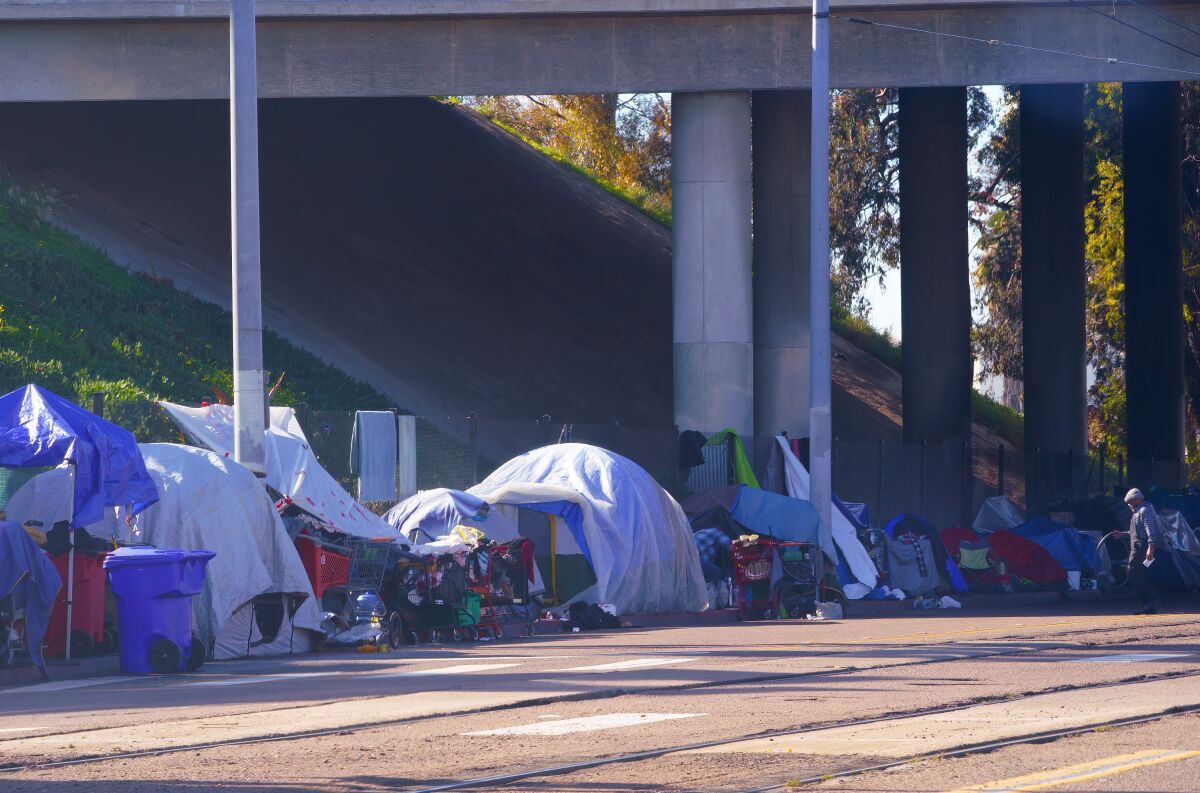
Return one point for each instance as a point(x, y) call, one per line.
point(67, 685)
point(608, 721)
point(633, 663)
point(1082, 772)
point(1129, 658)
point(17, 729)
point(457, 669)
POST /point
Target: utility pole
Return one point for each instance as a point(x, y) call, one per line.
point(249, 395)
point(820, 416)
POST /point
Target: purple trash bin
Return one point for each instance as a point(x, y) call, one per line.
point(154, 589)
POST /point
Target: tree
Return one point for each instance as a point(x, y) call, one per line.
point(998, 336)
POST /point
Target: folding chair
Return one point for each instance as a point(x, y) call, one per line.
point(981, 569)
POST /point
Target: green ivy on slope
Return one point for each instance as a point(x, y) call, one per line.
point(76, 323)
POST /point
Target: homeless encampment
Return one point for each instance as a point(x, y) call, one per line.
point(432, 517)
point(1066, 544)
point(292, 469)
point(1025, 563)
point(257, 599)
point(39, 429)
point(634, 537)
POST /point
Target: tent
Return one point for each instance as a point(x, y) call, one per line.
point(997, 512)
point(634, 537)
point(1065, 543)
point(907, 522)
point(39, 429)
point(1023, 559)
point(257, 599)
point(292, 468)
point(431, 516)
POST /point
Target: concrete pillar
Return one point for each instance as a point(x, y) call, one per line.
point(713, 327)
point(1053, 281)
point(781, 264)
point(934, 265)
point(1154, 281)
point(249, 394)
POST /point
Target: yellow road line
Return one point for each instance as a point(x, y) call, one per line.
point(973, 631)
point(1021, 625)
point(1082, 772)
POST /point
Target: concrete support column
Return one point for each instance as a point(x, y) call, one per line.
point(1053, 281)
point(934, 265)
point(1154, 282)
point(249, 388)
point(713, 326)
point(781, 264)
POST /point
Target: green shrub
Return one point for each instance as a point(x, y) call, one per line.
point(76, 323)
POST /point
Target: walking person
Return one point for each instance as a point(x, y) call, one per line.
point(1144, 532)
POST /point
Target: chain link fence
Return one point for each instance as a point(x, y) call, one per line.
point(945, 482)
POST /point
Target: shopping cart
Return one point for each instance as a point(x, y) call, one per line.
point(443, 605)
point(503, 587)
point(371, 561)
point(752, 562)
point(800, 574)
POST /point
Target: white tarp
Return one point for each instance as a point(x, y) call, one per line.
point(48, 497)
point(430, 516)
point(210, 503)
point(292, 468)
point(842, 532)
point(635, 536)
point(997, 512)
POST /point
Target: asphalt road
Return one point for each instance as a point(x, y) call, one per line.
point(729, 707)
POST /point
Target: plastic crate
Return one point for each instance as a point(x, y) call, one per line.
point(326, 565)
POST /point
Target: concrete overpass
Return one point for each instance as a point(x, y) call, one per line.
point(154, 49)
point(739, 70)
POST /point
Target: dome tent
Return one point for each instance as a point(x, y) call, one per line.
point(632, 533)
point(257, 599)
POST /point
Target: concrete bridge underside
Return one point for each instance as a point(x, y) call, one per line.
point(738, 71)
point(102, 50)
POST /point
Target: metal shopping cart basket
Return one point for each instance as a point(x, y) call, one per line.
point(371, 560)
point(801, 570)
point(752, 563)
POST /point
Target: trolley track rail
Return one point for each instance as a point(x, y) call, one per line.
point(652, 754)
point(569, 768)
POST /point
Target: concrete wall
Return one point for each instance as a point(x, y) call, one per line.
point(158, 50)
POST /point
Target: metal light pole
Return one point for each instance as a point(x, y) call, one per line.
point(248, 386)
point(820, 417)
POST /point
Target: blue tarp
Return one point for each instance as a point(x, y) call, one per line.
point(782, 517)
point(39, 429)
point(857, 513)
point(1186, 501)
point(24, 568)
point(1065, 543)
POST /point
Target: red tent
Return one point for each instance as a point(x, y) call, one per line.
point(1026, 559)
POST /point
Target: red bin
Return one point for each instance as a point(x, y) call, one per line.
point(87, 616)
point(326, 567)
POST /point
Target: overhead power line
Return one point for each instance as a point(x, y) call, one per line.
point(1135, 28)
point(1162, 16)
point(1010, 45)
